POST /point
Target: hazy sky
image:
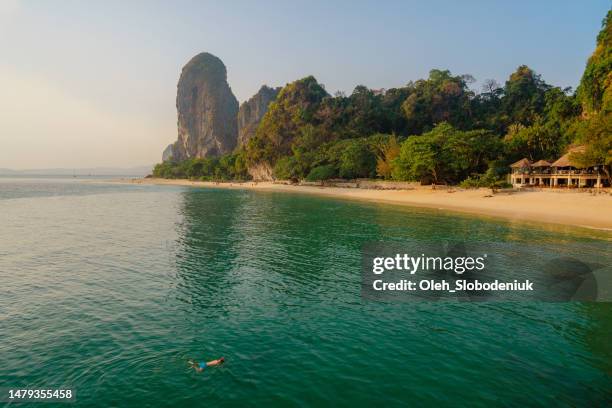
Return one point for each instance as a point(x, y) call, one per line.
point(85, 84)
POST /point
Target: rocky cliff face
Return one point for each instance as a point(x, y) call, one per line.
point(207, 110)
point(251, 112)
point(168, 153)
point(261, 172)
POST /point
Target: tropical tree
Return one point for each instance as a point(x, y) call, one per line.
point(595, 135)
point(595, 89)
point(445, 155)
point(440, 98)
point(524, 98)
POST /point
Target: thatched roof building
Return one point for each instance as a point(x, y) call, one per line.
point(566, 161)
point(521, 163)
point(565, 172)
point(541, 163)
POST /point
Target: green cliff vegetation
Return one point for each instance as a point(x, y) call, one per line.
point(434, 130)
point(595, 95)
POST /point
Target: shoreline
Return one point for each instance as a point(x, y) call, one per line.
point(576, 209)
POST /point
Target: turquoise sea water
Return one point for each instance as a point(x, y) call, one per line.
point(110, 289)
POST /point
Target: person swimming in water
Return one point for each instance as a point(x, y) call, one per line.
point(199, 367)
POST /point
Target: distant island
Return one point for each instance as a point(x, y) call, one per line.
point(432, 131)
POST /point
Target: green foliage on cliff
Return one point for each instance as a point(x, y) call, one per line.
point(434, 130)
point(595, 94)
point(595, 90)
point(306, 128)
point(294, 107)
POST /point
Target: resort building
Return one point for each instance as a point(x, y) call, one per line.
point(561, 173)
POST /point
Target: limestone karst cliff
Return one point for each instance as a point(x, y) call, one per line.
point(207, 110)
point(251, 112)
point(168, 153)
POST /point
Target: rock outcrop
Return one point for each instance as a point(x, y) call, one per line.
point(168, 153)
point(251, 112)
point(207, 110)
point(261, 172)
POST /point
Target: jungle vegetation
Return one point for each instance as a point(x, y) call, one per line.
point(433, 130)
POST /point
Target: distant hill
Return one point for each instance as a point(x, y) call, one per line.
point(94, 171)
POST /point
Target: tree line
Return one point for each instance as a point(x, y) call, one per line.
point(434, 130)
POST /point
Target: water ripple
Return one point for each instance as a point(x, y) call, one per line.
point(111, 289)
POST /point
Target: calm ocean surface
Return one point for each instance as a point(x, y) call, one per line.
point(110, 289)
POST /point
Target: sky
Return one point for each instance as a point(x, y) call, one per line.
point(87, 84)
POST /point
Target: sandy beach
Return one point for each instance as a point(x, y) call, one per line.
point(580, 209)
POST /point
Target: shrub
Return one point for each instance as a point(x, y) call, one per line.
point(285, 168)
point(357, 160)
point(325, 172)
point(488, 179)
point(471, 182)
